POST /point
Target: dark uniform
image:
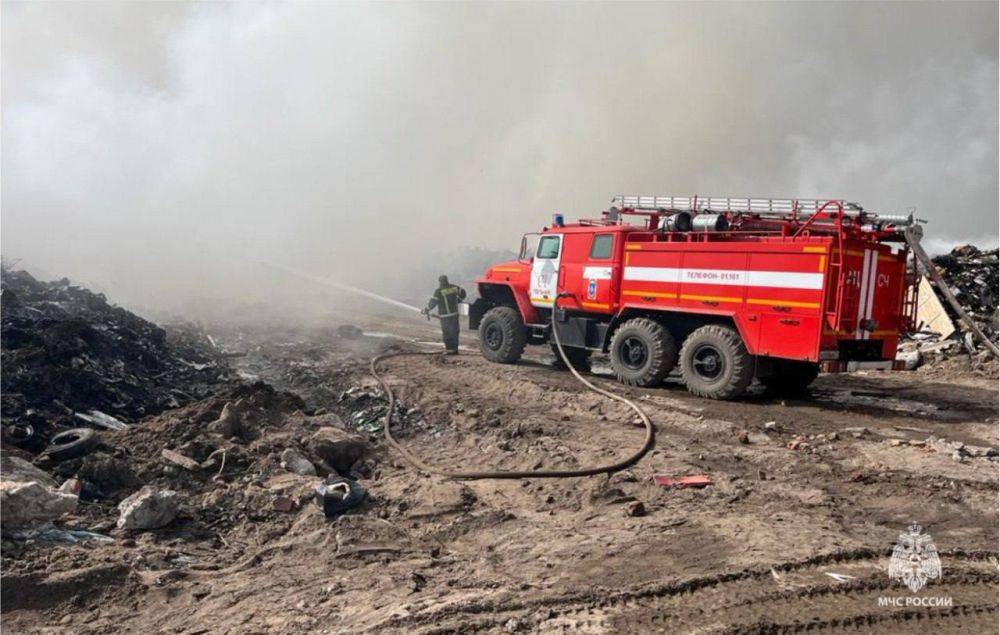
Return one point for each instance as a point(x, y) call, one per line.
point(446, 298)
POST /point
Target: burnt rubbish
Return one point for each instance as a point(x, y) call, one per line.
point(972, 277)
point(70, 359)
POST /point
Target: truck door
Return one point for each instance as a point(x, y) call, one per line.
point(598, 275)
point(572, 263)
point(545, 271)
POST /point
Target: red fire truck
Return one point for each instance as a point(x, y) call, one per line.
point(728, 289)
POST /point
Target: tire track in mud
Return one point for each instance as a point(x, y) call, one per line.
point(742, 609)
point(736, 602)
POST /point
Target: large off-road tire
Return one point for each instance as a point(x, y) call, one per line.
point(715, 363)
point(578, 357)
point(642, 352)
point(790, 377)
point(501, 335)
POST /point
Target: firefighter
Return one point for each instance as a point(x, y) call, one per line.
point(446, 298)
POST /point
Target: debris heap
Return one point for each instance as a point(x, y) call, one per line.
point(190, 467)
point(972, 277)
point(71, 359)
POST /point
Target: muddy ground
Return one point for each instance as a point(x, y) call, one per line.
point(825, 489)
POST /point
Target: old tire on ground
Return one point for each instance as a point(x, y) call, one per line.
point(715, 363)
point(18, 434)
point(790, 377)
point(72, 444)
point(578, 357)
point(642, 352)
point(501, 335)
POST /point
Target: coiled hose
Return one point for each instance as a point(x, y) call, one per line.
point(421, 465)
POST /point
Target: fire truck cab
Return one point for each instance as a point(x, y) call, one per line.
point(725, 289)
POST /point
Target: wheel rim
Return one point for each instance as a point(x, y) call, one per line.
point(493, 336)
point(633, 353)
point(708, 362)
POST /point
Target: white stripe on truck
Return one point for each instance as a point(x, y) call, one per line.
point(863, 295)
point(870, 301)
point(597, 273)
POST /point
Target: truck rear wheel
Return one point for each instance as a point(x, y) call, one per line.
point(501, 335)
point(578, 357)
point(642, 352)
point(715, 363)
point(790, 377)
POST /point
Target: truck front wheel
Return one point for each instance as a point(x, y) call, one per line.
point(790, 377)
point(501, 335)
point(715, 363)
point(642, 352)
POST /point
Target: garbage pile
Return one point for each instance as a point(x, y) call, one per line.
point(972, 276)
point(70, 359)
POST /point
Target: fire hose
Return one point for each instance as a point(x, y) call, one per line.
point(423, 466)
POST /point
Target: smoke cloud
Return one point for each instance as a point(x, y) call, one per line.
point(157, 150)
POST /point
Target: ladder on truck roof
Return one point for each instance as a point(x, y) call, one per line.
point(697, 204)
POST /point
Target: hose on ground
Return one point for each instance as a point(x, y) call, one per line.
point(423, 466)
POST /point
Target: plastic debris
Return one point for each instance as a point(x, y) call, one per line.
point(98, 419)
point(680, 482)
point(51, 533)
point(336, 495)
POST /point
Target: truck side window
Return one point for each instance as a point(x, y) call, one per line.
point(548, 247)
point(600, 248)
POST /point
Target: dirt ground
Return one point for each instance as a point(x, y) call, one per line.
point(824, 489)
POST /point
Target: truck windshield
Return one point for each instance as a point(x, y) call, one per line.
point(529, 244)
point(548, 247)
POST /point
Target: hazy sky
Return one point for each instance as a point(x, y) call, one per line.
point(153, 147)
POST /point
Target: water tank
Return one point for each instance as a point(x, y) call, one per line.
point(679, 222)
point(710, 223)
